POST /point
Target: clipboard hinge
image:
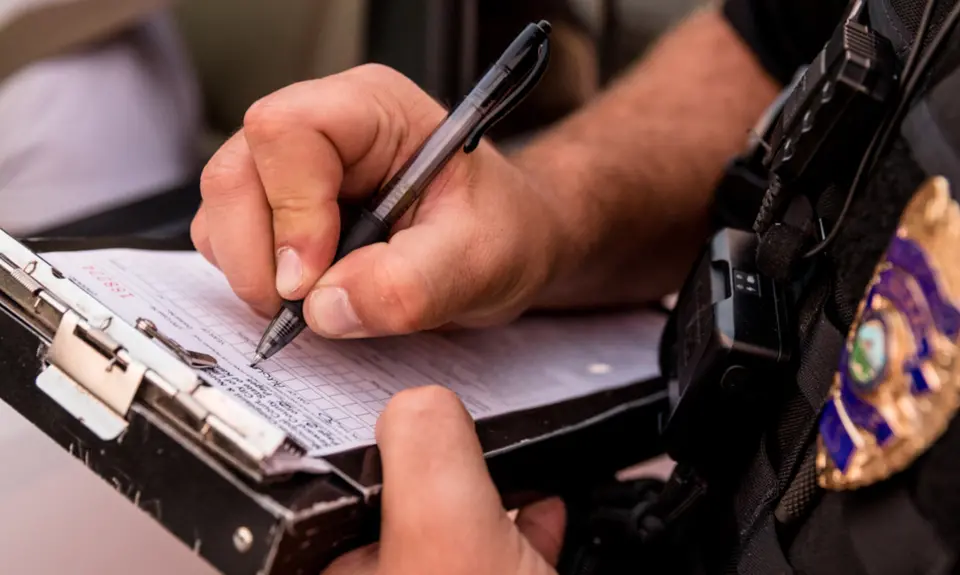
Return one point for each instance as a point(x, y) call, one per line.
point(96, 380)
point(101, 370)
point(91, 376)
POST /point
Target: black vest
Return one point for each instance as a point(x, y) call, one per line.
point(782, 521)
point(771, 516)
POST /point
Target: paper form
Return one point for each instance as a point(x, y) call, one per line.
point(328, 394)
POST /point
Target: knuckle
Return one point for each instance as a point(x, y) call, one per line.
point(292, 203)
point(264, 121)
point(403, 93)
point(223, 178)
point(307, 224)
point(380, 73)
point(212, 177)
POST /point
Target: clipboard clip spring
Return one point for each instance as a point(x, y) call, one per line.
point(194, 359)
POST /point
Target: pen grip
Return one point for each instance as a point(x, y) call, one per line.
point(295, 306)
point(367, 230)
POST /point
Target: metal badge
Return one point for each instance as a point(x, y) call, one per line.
point(897, 387)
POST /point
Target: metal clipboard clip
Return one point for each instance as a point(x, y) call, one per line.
point(101, 370)
point(194, 359)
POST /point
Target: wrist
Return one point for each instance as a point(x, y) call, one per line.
point(557, 171)
point(517, 238)
point(622, 242)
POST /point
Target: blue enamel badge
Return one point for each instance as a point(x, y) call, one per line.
point(896, 391)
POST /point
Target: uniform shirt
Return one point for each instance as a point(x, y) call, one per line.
point(784, 34)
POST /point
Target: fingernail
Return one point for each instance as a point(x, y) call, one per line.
point(289, 271)
point(332, 313)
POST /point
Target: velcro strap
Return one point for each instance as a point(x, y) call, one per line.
point(760, 550)
point(821, 355)
point(932, 127)
point(763, 485)
point(802, 493)
point(763, 554)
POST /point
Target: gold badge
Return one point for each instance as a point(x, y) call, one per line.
point(897, 390)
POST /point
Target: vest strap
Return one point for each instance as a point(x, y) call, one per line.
point(932, 129)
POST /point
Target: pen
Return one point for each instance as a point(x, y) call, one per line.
point(503, 86)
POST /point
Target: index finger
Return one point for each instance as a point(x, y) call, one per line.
point(238, 227)
point(313, 142)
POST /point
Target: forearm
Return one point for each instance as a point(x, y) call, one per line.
point(633, 173)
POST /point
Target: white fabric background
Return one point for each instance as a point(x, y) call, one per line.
point(105, 126)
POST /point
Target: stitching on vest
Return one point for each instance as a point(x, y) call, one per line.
point(893, 24)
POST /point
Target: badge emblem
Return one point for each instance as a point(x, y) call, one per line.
point(897, 387)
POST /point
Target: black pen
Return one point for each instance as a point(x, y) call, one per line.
point(504, 86)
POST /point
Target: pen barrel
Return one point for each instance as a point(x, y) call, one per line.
point(415, 176)
point(499, 89)
point(493, 87)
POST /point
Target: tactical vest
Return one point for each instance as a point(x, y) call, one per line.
point(771, 515)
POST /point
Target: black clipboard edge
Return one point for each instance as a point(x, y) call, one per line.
point(302, 524)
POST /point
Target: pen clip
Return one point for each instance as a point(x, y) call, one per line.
point(511, 100)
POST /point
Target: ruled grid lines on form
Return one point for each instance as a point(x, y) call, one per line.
point(341, 387)
point(322, 380)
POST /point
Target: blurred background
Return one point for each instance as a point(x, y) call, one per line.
point(110, 108)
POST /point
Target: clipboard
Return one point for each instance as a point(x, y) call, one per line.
point(128, 402)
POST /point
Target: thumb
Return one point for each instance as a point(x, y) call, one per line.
point(442, 269)
point(441, 511)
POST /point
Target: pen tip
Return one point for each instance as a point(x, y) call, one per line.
point(256, 359)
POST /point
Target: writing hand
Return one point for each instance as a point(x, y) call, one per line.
point(476, 251)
